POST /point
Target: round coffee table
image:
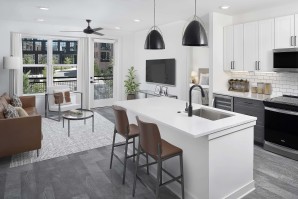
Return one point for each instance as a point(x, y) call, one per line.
point(79, 114)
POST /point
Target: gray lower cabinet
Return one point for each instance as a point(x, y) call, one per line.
point(223, 102)
point(253, 108)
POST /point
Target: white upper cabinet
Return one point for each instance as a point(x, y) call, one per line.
point(266, 45)
point(251, 46)
point(228, 47)
point(233, 48)
point(238, 47)
point(285, 32)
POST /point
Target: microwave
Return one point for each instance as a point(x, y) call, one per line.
point(285, 60)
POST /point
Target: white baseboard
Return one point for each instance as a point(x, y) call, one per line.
point(242, 191)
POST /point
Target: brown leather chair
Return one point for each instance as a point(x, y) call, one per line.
point(128, 131)
point(160, 150)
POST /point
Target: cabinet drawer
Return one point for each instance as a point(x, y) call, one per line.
point(249, 102)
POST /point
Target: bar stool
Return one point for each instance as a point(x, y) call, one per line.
point(128, 131)
point(160, 150)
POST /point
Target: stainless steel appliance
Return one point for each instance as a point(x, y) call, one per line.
point(285, 60)
point(281, 126)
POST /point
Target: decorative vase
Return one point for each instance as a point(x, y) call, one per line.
point(131, 96)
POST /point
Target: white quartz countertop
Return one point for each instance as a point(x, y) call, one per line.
point(165, 110)
point(247, 95)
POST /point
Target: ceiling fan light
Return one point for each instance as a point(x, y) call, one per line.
point(154, 41)
point(195, 35)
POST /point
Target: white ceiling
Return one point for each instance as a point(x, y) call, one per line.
point(121, 13)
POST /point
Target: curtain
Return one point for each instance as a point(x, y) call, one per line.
point(16, 51)
point(83, 70)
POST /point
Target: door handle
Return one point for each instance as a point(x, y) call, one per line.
point(256, 65)
point(294, 40)
point(291, 40)
point(231, 64)
point(259, 65)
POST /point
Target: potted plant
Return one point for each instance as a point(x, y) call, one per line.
point(131, 86)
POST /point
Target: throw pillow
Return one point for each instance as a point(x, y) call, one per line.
point(16, 102)
point(21, 112)
point(58, 98)
point(63, 94)
point(67, 97)
point(11, 112)
point(204, 79)
point(6, 96)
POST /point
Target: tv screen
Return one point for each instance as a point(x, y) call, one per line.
point(161, 71)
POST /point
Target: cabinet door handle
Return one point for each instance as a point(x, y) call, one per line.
point(291, 40)
point(259, 65)
point(294, 40)
point(256, 65)
point(231, 64)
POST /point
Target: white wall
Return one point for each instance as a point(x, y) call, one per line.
point(172, 34)
point(271, 12)
point(200, 58)
point(218, 78)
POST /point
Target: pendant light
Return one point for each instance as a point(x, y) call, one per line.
point(195, 33)
point(154, 39)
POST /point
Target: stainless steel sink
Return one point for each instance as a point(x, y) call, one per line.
point(210, 114)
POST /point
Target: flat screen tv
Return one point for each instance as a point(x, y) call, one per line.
point(161, 71)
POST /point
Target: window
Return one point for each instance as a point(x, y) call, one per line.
point(105, 57)
point(105, 46)
point(35, 64)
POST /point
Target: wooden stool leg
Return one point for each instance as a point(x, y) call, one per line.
point(182, 175)
point(147, 163)
point(125, 161)
point(158, 177)
point(136, 172)
point(134, 150)
point(112, 153)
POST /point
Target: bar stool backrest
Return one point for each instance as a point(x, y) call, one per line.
point(150, 139)
point(121, 120)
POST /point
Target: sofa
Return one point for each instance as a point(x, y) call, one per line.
point(21, 134)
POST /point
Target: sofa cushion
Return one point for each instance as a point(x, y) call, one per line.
point(3, 104)
point(31, 111)
point(7, 98)
point(10, 112)
point(21, 112)
point(16, 102)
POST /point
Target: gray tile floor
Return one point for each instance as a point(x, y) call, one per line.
point(87, 175)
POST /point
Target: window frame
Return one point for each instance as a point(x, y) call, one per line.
point(49, 65)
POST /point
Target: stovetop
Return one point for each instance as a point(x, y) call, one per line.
point(287, 102)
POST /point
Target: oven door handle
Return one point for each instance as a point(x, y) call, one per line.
point(281, 111)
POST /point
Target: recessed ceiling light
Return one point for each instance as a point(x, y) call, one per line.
point(43, 8)
point(117, 28)
point(224, 7)
point(136, 20)
point(40, 20)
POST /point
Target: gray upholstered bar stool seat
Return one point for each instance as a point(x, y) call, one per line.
point(160, 150)
point(128, 131)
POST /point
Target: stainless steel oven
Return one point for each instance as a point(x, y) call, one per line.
point(281, 129)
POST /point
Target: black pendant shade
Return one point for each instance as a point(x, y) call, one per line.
point(195, 35)
point(154, 41)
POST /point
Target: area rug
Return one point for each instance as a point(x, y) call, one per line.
point(56, 142)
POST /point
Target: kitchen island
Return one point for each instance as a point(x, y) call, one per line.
point(218, 153)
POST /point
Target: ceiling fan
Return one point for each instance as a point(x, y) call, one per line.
point(89, 30)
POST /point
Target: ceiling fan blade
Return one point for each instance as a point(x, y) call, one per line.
point(97, 33)
point(97, 29)
point(69, 31)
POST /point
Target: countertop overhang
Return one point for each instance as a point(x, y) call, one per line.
point(165, 110)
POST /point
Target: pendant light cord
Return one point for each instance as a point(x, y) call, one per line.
point(195, 7)
point(154, 14)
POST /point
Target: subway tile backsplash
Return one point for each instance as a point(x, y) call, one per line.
point(282, 83)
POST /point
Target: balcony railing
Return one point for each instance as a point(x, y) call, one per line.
point(103, 87)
